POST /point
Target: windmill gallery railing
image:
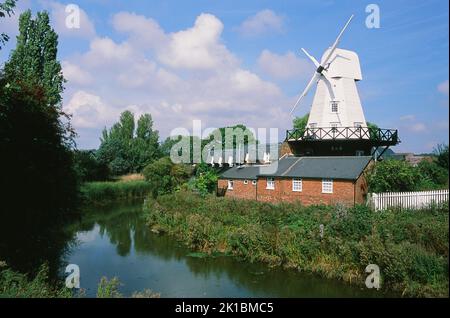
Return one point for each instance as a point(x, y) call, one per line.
point(387, 136)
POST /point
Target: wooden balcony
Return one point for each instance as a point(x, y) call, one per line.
point(373, 136)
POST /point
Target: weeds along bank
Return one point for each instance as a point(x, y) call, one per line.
point(410, 247)
point(108, 192)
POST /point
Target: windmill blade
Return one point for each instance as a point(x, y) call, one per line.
point(317, 64)
point(315, 78)
point(335, 44)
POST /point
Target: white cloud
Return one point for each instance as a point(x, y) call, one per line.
point(58, 20)
point(74, 74)
point(408, 118)
point(143, 31)
point(262, 22)
point(443, 88)
point(410, 123)
point(199, 47)
point(188, 75)
point(285, 66)
point(88, 110)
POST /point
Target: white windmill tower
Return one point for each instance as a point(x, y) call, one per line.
point(336, 124)
point(336, 103)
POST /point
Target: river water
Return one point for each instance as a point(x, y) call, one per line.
point(116, 242)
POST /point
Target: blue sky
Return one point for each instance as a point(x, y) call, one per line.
point(228, 62)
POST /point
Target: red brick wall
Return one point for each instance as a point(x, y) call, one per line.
point(361, 189)
point(240, 190)
point(343, 192)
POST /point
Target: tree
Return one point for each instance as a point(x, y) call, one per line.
point(34, 59)
point(6, 9)
point(433, 175)
point(441, 153)
point(240, 134)
point(301, 122)
point(125, 148)
point(88, 167)
point(393, 176)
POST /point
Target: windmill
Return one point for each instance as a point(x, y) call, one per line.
point(336, 118)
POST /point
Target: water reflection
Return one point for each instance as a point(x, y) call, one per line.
point(117, 242)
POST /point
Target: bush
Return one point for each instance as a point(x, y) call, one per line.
point(164, 176)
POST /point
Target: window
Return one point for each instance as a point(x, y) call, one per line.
point(245, 181)
point(312, 125)
point(254, 182)
point(359, 153)
point(358, 124)
point(327, 186)
point(270, 184)
point(230, 184)
point(334, 107)
point(297, 185)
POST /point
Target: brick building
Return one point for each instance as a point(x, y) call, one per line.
point(310, 180)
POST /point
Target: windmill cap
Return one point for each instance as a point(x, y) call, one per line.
point(344, 63)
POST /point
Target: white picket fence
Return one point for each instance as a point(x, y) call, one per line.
point(407, 200)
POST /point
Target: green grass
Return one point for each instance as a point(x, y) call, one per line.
point(410, 247)
point(107, 192)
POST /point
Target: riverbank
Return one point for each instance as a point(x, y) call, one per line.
point(411, 248)
point(104, 193)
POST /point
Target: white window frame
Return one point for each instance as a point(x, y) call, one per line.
point(334, 105)
point(297, 185)
point(313, 125)
point(245, 181)
point(327, 185)
point(254, 182)
point(359, 153)
point(230, 185)
point(357, 124)
point(270, 184)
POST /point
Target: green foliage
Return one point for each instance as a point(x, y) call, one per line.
point(240, 133)
point(410, 248)
point(205, 180)
point(433, 176)
point(126, 148)
point(393, 176)
point(17, 285)
point(107, 192)
point(88, 167)
point(301, 122)
point(164, 176)
point(400, 176)
point(6, 9)
point(109, 288)
point(441, 152)
point(34, 59)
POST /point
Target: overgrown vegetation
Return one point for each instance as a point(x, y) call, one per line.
point(17, 285)
point(113, 191)
point(411, 248)
point(398, 176)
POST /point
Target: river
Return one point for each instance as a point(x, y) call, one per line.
point(116, 242)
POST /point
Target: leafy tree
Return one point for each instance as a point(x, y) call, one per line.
point(164, 176)
point(433, 175)
point(88, 167)
point(205, 180)
point(301, 122)
point(126, 148)
point(34, 59)
point(6, 9)
point(38, 184)
point(393, 176)
point(241, 134)
point(441, 152)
